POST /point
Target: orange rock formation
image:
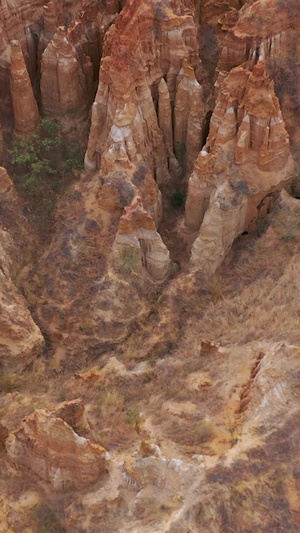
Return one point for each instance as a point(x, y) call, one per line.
point(246, 156)
point(26, 113)
point(122, 328)
point(55, 453)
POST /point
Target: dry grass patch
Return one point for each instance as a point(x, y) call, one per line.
point(262, 288)
point(191, 433)
point(264, 309)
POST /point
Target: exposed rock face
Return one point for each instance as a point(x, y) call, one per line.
point(18, 20)
point(263, 411)
point(111, 246)
point(34, 24)
point(55, 453)
point(125, 128)
point(63, 83)
point(269, 31)
point(26, 113)
point(246, 157)
point(131, 486)
point(21, 339)
point(196, 365)
point(188, 117)
point(74, 414)
point(137, 236)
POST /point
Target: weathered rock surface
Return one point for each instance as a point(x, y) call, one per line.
point(34, 24)
point(125, 127)
point(26, 113)
point(55, 453)
point(188, 117)
point(74, 414)
point(20, 338)
point(270, 31)
point(63, 83)
point(112, 250)
point(246, 157)
point(138, 239)
point(204, 373)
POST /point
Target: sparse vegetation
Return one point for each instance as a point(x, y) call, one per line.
point(46, 520)
point(192, 434)
point(41, 164)
point(178, 198)
point(33, 156)
point(287, 223)
point(260, 297)
point(129, 260)
point(132, 416)
point(10, 383)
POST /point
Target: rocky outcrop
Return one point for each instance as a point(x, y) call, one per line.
point(138, 243)
point(34, 24)
point(74, 414)
point(55, 453)
point(143, 484)
point(111, 246)
point(188, 117)
point(63, 83)
point(26, 113)
point(268, 31)
point(246, 157)
point(53, 18)
point(18, 20)
point(125, 128)
point(196, 365)
point(21, 339)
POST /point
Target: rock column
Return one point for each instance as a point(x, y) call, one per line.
point(26, 113)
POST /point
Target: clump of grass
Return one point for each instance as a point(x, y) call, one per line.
point(217, 288)
point(111, 401)
point(10, 383)
point(132, 416)
point(287, 223)
point(193, 434)
point(129, 260)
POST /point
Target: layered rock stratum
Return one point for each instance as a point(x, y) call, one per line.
point(149, 325)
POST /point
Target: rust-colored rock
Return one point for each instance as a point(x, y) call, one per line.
point(21, 339)
point(73, 412)
point(188, 117)
point(269, 31)
point(26, 113)
point(246, 156)
point(124, 126)
point(55, 453)
point(138, 240)
point(63, 83)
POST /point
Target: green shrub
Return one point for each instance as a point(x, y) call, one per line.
point(41, 164)
point(178, 199)
point(132, 416)
point(33, 156)
point(44, 156)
